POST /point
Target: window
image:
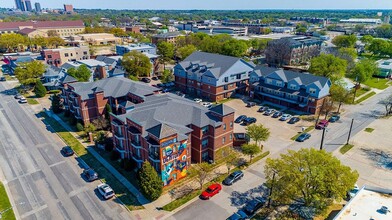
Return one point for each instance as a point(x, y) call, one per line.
point(278, 83)
point(231, 124)
point(85, 52)
point(205, 130)
point(226, 79)
point(223, 140)
point(66, 54)
point(268, 81)
point(204, 156)
point(231, 136)
point(49, 56)
point(224, 127)
point(312, 91)
point(225, 87)
point(292, 86)
point(238, 76)
point(204, 143)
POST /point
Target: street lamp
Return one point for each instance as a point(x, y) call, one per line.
point(322, 138)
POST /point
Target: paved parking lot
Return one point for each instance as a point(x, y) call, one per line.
point(279, 129)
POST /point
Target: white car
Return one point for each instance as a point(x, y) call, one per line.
point(22, 100)
point(105, 190)
point(206, 104)
point(285, 117)
point(197, 100)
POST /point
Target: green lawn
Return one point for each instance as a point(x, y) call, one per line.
point(363, 98)
point(32, 101)
point(306, 130)
point(121, 191)
point(5, 204)
point(346, 148)
point(370, 130)
point(361, 91)
point(377, 83)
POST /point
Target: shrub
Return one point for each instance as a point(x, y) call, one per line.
point(55, 91)
point(40, 90)
point(149, 181)
point(56, 106)
point(79, 127)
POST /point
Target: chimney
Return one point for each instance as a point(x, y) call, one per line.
point(102, 72)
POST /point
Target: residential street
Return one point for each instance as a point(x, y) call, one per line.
point(231, 198)
point(43, 183)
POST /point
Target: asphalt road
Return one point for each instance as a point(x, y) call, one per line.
point(43, 183)
point(232, 198)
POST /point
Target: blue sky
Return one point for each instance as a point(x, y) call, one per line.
point(213, 4)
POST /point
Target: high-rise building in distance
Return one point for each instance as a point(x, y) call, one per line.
point(37, 7)
point(68, 8)
point(28, 5)
point(20, 5)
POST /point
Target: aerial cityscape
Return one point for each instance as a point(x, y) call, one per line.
point(187, 110)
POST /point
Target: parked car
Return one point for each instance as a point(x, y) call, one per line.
point(252, 207)
point(250, 104)
point(353, 192)
point(240, 118)
point(277, 114)
point(90, 174)
point(160, 85)
point(334, 118)
point(146, 80)
point(240, 215)
point(197, 100)
point(293, 120)
point(322, 124)
point(67, 151)
point(170, 84)
point(303, 137)
point(18, 96)
point(233, 177)
point(180, 94)
point(211, 191)
point(3, 78)
point(22, 100)
point(262, 109)
point(249, 121)
point(206, 104)
point(154, 78)
point(269, 111)
point(105, 190)
point(285, 117)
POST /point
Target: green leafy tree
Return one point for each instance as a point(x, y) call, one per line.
point(90, 128)
point(312, 177)
point(301, 29)
point(53, 33)
point(165, 51)
point(258, 132)
point(28, 73)
point(328, 65)
point(250, 150)
point(345, 40)
point(136, 64)
point(380, 47)
point(56, 105)
point(235, 48)
point(367, 39)
point(54, 42)
point(149, 181)
point(82, 73)
point(364, 70)
point(185, 51)
point(339, 94)
point(79, 127)
point(108, 110)
point(118, 32)
point(13, 41)
point(201, 172)
point(167, 76)
point(39, 89)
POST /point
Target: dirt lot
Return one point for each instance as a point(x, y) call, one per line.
point(279, 129)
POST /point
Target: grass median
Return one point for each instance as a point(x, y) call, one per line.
point(308, 129)
point(122, 193)
point(363, 98)
point(346, 148)
point(5, 205)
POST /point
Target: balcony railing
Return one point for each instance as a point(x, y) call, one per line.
point(119, 135)
point(136, 144)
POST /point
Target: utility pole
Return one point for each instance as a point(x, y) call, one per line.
point(349, 133)
point(321, 109)
point(322, 139)
point(270, 194)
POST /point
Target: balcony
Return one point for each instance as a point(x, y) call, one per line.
point(137, 158)
point(119, 135)
point(136, 144)
point(154, 152)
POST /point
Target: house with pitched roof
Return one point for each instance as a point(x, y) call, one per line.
point(212, 76)
point(299, 91)
point(171, 132)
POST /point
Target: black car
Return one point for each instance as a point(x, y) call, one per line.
point(277, 114)
point(90, 174)
point(252, 206)
point(293, 120)
point(240, 119)
point(303, 137)
point(160, 85)
point(334, 118)
point(262, 109)
point(233, 177)
point(67, 151)
point(250, 104)
point(249, 121)
point(3, 78)
point(146, 80)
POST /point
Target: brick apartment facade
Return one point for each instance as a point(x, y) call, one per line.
point(58, 57)
point(299, 91)
point(87, 100)
point(171, 132)
point(212, 76)
point(170, 37)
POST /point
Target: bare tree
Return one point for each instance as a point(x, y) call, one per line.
point(387, 102)
point(201, 172)
point(278, 51)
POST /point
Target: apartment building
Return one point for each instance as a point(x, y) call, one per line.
point(87, 100)
point(59, 56)
point(96, 39)
point(212, 76)
point(299, 91)
point(170, 37)
point(171, 132)
point(292, 50)
point(62, 28)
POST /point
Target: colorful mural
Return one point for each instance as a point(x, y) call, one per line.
point(174, 160)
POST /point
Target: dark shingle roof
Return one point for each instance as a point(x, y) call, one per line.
point(222, 109)
point(68, 79)
point(162, 131)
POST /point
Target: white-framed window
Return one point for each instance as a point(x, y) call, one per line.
point(223, 140)
point(279, 83)
point(292, 86)
point(231, 136)
point(231, 124)
point(312, 91)
point(268, 81)
point(224, 127)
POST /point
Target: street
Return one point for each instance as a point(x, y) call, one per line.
point(43, 183)
point(231, 198)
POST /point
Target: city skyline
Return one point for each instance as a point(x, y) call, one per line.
point(216, 5)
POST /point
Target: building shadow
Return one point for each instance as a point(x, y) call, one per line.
point(238, 199)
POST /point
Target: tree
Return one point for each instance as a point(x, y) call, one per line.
point(40, 90)
point(339, 94)
point(309, 176)
point(108, 110)
point(201, 172)
point(136, 64)
point(258, 132)
point(12, 41)
point(364, 70)
point(90, 128)
point(82, 73)
point(55, 42)
point(167, 76)
point(149, 181)
point(250, 150)
point(185, 51)
point(328, 65)
point(100, 123)
point(387, 103)
point(235, 48)
point(53, 33)
point(367, 39)
point(345, 40)
point(278, 50)
point(380, 47)
point(56, 105)
point(166, 51)
point(28, 73)
point(118, 32)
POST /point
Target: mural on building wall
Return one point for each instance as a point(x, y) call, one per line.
point(174, 160)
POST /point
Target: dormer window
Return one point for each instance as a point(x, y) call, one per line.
point(293, 87)
point(278, 83)
point(312, 91)
point(268, 81)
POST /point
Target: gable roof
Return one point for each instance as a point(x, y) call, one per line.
point(222, 109)
point(162, 131)
point(68, 79)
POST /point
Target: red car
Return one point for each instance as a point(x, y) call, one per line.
point(322, 124)
point(211, 191)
